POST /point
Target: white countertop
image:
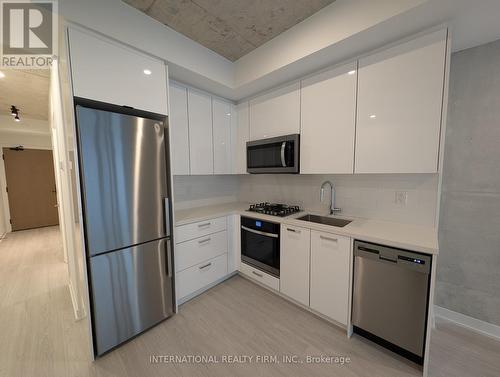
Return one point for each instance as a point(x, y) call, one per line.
point(405, 236)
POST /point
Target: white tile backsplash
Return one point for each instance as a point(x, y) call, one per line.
point(369, 195)
point(362, 195)
point(202, 190)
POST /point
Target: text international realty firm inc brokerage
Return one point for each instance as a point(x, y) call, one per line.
point(248, 359)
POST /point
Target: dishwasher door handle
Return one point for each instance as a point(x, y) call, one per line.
point(387, 259)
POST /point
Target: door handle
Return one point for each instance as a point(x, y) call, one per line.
point(260, 232)
point(283, 162)
point(166, 208)
point(328, 238)
point(257, 274)
point(168, 252)
point(387, 259)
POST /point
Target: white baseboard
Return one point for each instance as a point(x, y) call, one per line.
point(471, 323)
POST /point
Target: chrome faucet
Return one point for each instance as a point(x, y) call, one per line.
point(333, 209)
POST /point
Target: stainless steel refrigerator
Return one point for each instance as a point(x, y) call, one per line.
point(125, 199)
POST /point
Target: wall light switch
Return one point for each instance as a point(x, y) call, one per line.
point(401, 198)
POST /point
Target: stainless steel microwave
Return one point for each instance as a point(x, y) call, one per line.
point(274, 155)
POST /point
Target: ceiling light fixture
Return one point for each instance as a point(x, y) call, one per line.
point(373, 116)
point(147, 72)
point(351, 72)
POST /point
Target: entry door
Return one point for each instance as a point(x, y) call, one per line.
point(31, 188)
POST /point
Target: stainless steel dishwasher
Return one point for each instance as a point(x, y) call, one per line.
point(390, 297)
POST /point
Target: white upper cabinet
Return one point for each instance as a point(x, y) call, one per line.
point(400, 93)
point(200, 133)
point(330, 266)
point(221, 112)
point(276, 113)
point(328, 117)
point(239, 137)
point(106, 71)
point(179, 132)
point(294, 263)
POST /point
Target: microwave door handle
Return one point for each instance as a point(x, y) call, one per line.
point(283, 146)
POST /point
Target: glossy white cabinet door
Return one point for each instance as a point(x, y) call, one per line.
point(179, 132)
point(221, 112)
point(276, 113)
point(106, 71)
point(400, 93)
point(239, 137)
point(328, 121)
point(330, 258)
point(234, 243)
point(294, 263)
point(200, 133)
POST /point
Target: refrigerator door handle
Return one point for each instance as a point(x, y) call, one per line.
point(168, 251)
point(166, 206)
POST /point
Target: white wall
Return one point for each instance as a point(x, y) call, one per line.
point(362, 195)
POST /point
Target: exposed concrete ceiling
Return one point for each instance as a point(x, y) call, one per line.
point(231, 28)
point(28, 90)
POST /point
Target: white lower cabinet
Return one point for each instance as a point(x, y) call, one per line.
point(330, 256)
point(260, 276)
point(200, 249)
point(294, 263)
point(201, 275)
point(199, 229)
point(201, 255)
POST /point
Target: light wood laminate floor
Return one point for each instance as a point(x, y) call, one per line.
point(39, 336)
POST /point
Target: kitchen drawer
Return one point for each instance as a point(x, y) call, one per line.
point(199, 229)
point(199, 276)
point(192, 252)
point(261, 277)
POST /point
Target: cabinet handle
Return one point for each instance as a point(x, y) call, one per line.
point(256, 273)
point(205, 240)
point(293, 230)
point(328, 239)
point(203, 225)
point(205, 266)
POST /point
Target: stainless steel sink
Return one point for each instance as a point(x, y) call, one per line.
point(325, 220)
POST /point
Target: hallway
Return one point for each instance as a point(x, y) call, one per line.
point(39, 334)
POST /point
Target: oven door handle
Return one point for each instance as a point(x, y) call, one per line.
point(260, 232)
point(283, 161)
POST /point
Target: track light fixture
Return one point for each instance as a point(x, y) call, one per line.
point(14, 111)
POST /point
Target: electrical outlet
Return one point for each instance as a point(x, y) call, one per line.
point(401, 198)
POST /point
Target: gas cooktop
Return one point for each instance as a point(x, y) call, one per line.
point(274, 209)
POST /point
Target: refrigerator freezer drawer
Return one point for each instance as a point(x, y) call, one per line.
point(131, 290)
